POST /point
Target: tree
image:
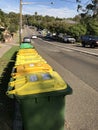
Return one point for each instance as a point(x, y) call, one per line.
point(77, 18)
point(12, 28)
point(3, 18)
point(57, 27)
point(91, 8)
point(1, 35)
point(14, 18)
point(77, 30)
point(36, 13)
point(92, 27)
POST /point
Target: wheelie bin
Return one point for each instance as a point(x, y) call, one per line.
point(21, 70)
point(26, 45)
point(21, 62)
point(27, 52)
point(26, 57)
point(42, 100)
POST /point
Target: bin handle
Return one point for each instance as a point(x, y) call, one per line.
point(11, 93)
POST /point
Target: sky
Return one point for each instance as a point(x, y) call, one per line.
point(59, 8)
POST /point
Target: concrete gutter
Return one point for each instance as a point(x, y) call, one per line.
point(83, 51)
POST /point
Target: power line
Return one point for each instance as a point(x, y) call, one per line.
point(68, 1)
point(27, 3)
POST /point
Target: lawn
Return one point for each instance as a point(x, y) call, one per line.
point(6, 104)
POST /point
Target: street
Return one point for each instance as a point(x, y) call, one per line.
point(79, 70)
point(49, 62)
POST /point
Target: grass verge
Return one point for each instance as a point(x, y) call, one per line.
point(6, 104)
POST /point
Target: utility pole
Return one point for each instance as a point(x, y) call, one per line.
point(20, 27)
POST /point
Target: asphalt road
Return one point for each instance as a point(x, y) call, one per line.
point(80, 71)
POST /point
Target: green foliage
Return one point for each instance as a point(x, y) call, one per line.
point(77, 18)
point(92, 27)
point(85, 24)
point(13, 18)
point(13, 28)
point(13, 22)
point(77, 30)
point(56, 25)
point(1, 36)
point(2, 16)
point(88, 9)
point(9, 21)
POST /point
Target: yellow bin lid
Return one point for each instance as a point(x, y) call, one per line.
point(23, 51)
point(29, 61)
point(37, 83)
point(20, 70)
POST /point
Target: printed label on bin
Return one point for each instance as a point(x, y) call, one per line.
point(31, 65)
point(46, 76)
point(33, 78)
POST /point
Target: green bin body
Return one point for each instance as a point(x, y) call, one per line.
point(26, 46)
point(44, 111)
point(42, 100)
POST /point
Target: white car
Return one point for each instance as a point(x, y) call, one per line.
point(26, 40)
point(34, 37)
point(69, 39)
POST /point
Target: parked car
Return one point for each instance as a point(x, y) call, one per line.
point(33, 36)
point(92, 41)
point(69, 39)
point(48, 36)
point(26, 40)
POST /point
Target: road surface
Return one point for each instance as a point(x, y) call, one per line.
point(80, 71)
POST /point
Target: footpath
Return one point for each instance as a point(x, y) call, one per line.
point(4, 47)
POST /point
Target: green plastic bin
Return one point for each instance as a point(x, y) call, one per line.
point(42, 101)
point(26, 46)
